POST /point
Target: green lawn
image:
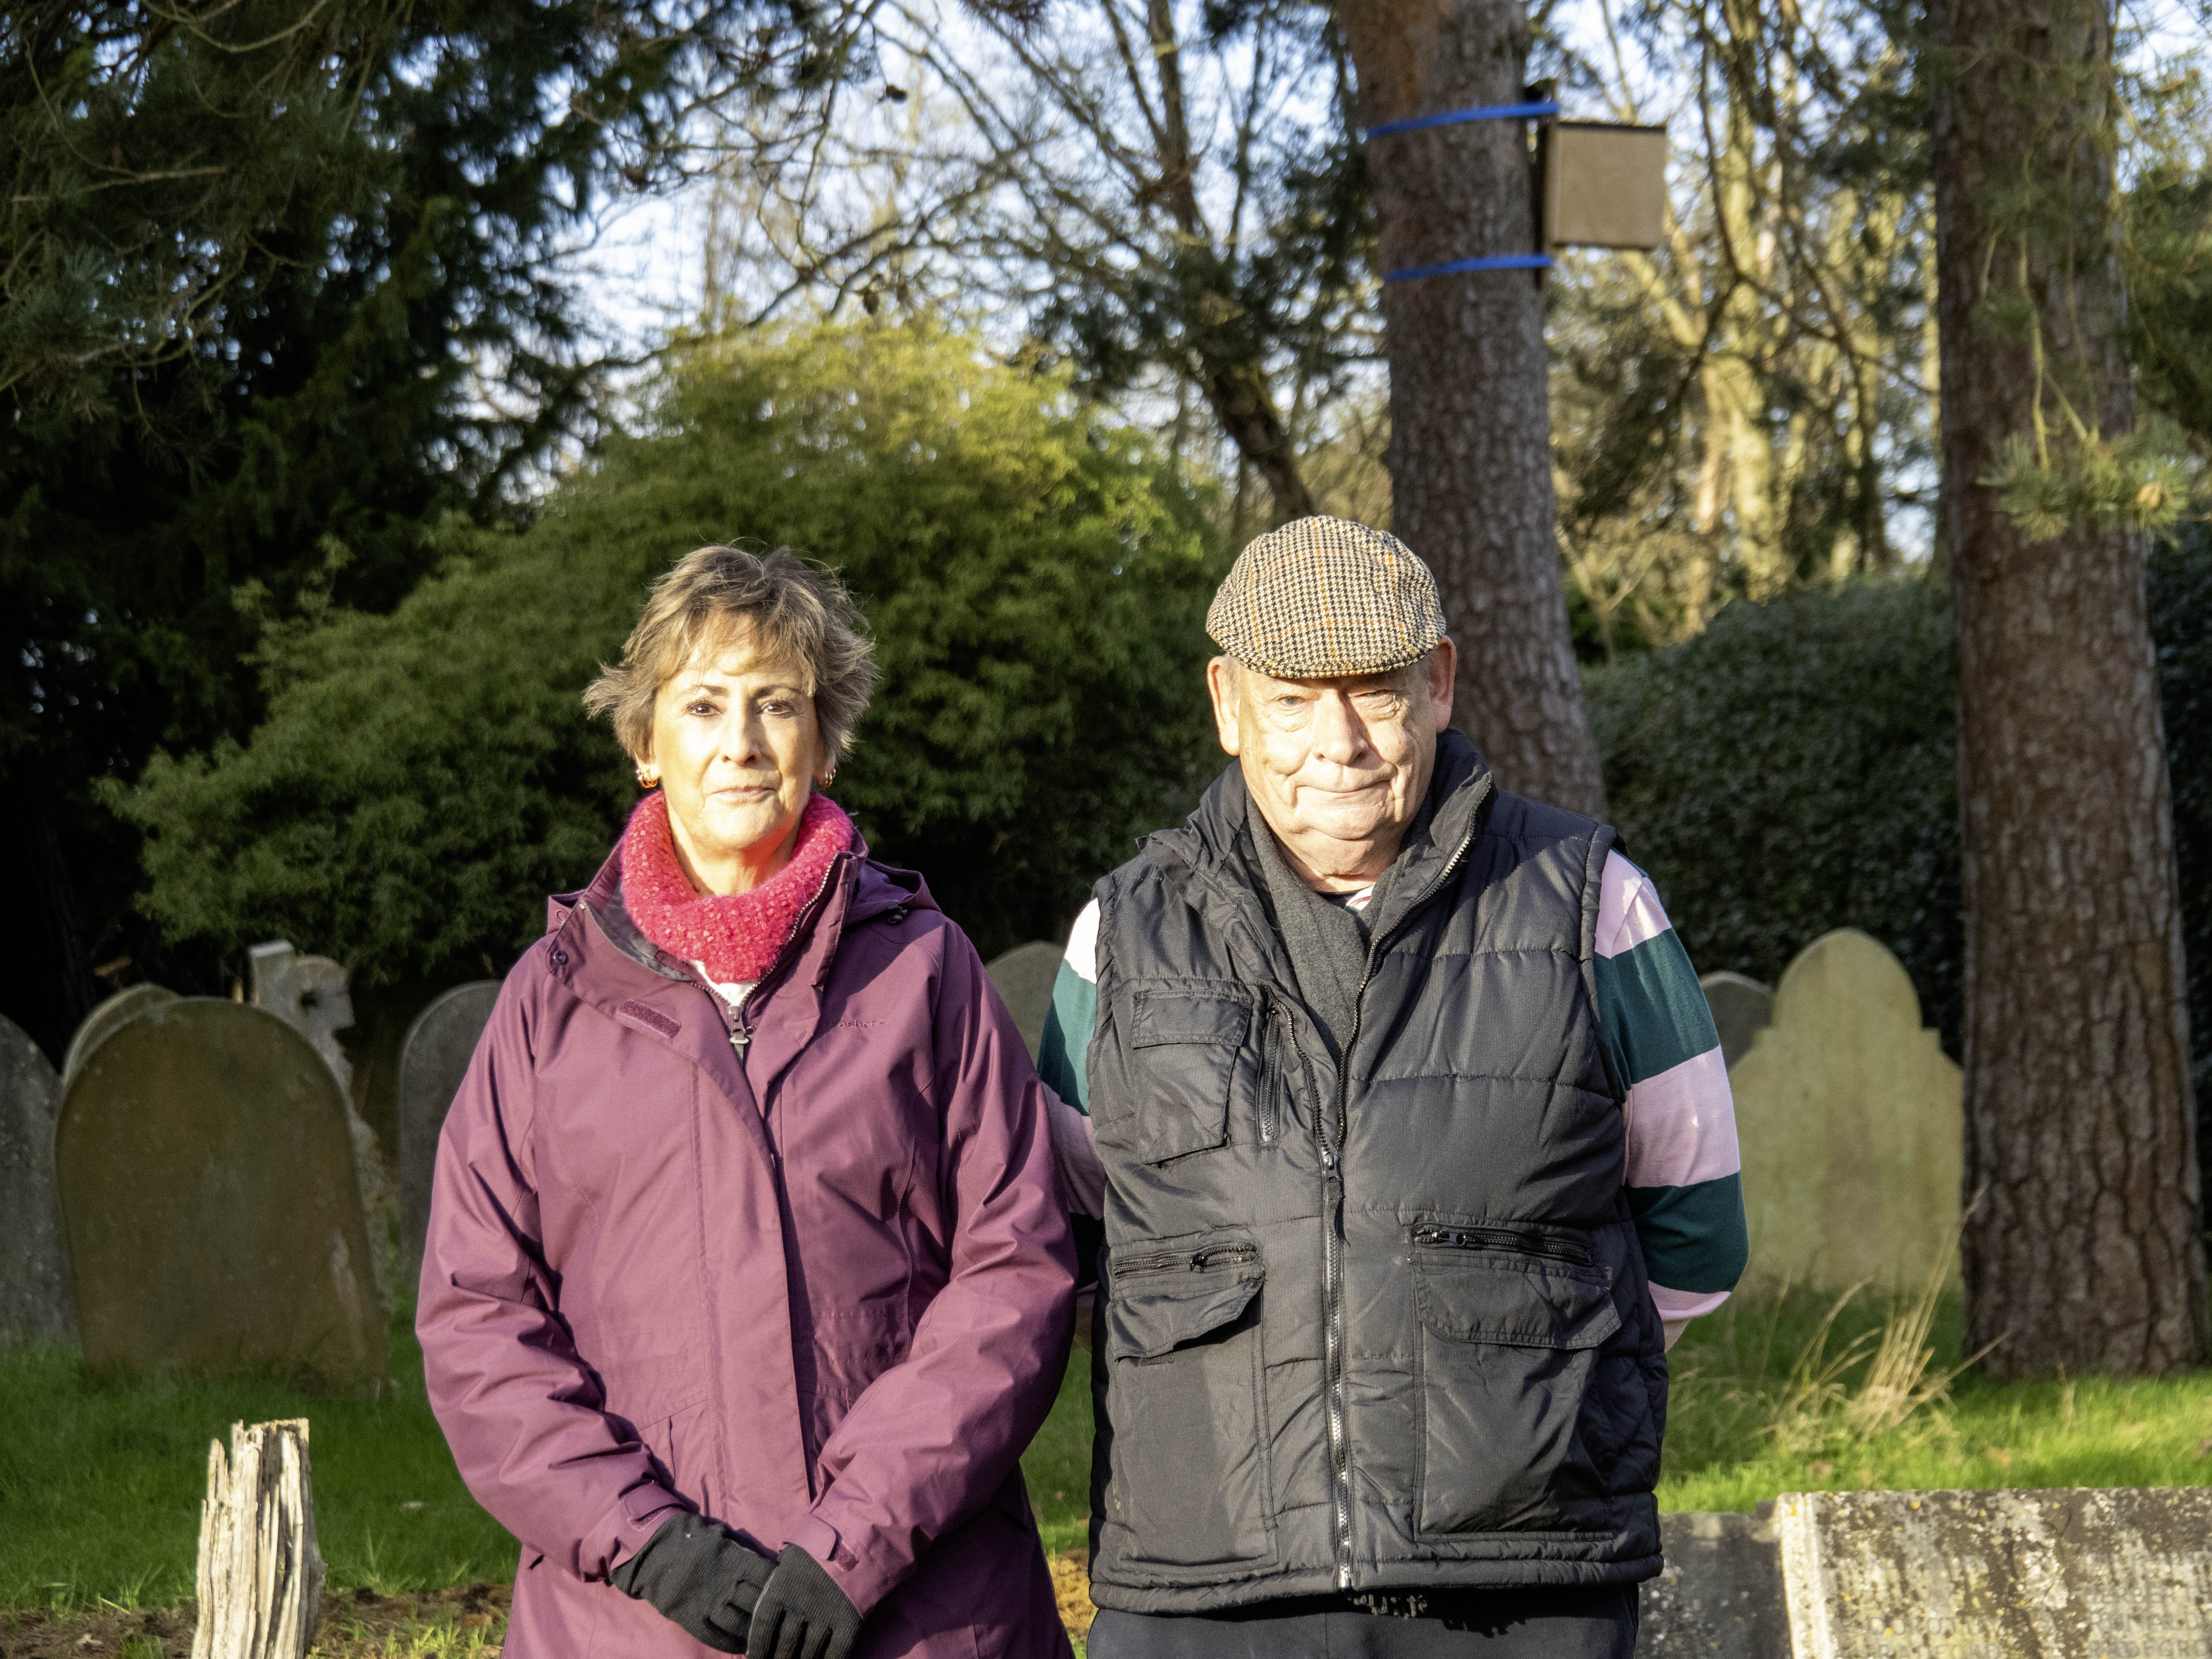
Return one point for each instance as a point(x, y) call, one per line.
point(101, 1482)
point(1757, 1408)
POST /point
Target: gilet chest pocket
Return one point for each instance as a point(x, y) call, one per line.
point(1187, 1048)
point(1508, 1340)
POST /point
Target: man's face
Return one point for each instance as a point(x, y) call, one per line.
point(1339, 767)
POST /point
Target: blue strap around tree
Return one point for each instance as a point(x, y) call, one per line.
point(1453, 118)
point(1453, 267)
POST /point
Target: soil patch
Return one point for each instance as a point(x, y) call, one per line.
point(468, 1621)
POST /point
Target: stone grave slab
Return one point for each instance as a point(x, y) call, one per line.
point(101, 1023)
point(1848, 1116)
point(1743, 1008)
point(34, 1301)
point(2121, 1573)
point(1719, 1596)
point(1024, 977)
point(205, 1165)
point(431, 1063)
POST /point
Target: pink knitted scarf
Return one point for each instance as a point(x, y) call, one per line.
point(738, 936)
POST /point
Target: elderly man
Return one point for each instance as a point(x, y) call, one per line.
point(1417, 1149)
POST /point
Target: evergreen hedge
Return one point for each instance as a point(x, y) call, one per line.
point(1793, 769)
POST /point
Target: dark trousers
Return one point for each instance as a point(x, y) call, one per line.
point(1575, 1622)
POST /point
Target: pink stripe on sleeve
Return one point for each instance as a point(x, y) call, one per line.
point(1628, 908)
point(1677, 1308)
point(1682, 1125)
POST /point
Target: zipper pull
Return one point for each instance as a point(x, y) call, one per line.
point(740, 1037)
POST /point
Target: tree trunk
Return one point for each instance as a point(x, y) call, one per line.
point(261, 1574)
point(2084, 1254)
point(1470, 417)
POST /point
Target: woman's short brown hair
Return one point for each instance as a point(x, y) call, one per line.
point(795, 608)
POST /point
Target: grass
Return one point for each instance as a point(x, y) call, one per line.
point(100, 1479)
point(1796, 1393)
point(101, 1482)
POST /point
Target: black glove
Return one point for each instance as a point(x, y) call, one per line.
point(699, 1576)
point(802, 1615)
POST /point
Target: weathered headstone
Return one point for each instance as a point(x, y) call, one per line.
point(1719, 1596)
point(34, 1303)
point(1848, 1114)
point(1743, 1008)
point(103, 1020)
point(1024, 977)
point(2078, 1574)
point(431, 1063)
point(205, 1165)
point(309, 995)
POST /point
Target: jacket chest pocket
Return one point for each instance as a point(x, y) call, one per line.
point(1192, 1053)
point(1512, 1319)
point(1188, 1483)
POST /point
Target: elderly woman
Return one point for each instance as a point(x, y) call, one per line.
point(747, 1279)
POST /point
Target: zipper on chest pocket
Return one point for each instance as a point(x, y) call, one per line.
point(1518, 1241)
point(1274, 1069)
point(1192, 1262)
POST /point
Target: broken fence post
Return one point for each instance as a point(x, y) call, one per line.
point(261, 1574)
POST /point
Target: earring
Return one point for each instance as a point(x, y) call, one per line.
point(829, 777)
point(648, 780)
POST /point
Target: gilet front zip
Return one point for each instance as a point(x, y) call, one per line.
point(1332, 1165)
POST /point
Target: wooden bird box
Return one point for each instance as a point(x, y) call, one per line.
point(1604, 186)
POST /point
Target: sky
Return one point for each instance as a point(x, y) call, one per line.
point(646, 269)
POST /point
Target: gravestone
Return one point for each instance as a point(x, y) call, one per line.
point(1024, 977)
point(1743, 1008)
point(431, 1063)
point(309, 995)
point(205, 1165)
point(1719, 1596)
point(1848, 1114)
point(103, 1021)
point(2079, 1574)
point(34, 1303)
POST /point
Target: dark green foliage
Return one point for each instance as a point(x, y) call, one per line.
point(1035, 581)
point(255, 257)
point(1792, 770)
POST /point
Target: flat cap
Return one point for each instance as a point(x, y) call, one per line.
point(1323, 596)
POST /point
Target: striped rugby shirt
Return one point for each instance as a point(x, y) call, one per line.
point(1683, 1174)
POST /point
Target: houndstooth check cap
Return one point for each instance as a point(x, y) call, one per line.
point(1323, 596)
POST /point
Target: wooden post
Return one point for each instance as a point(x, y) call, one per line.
point(261, 1574)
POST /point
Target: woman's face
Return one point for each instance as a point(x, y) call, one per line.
point(735, 742)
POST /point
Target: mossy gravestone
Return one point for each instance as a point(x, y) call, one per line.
point(34, 1275)
point(109, 1018)
point(1848, 1112)
point(431, 1061)
point(1024, 978)
point(1743, 1008)
point(208, 1192)
point(2122, 1573)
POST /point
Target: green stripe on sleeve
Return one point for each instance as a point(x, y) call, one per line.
point(1063, 1054)
point(1653, 1013)
point(1693, 1237)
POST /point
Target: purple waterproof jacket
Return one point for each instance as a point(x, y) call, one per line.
point(819, 1290)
